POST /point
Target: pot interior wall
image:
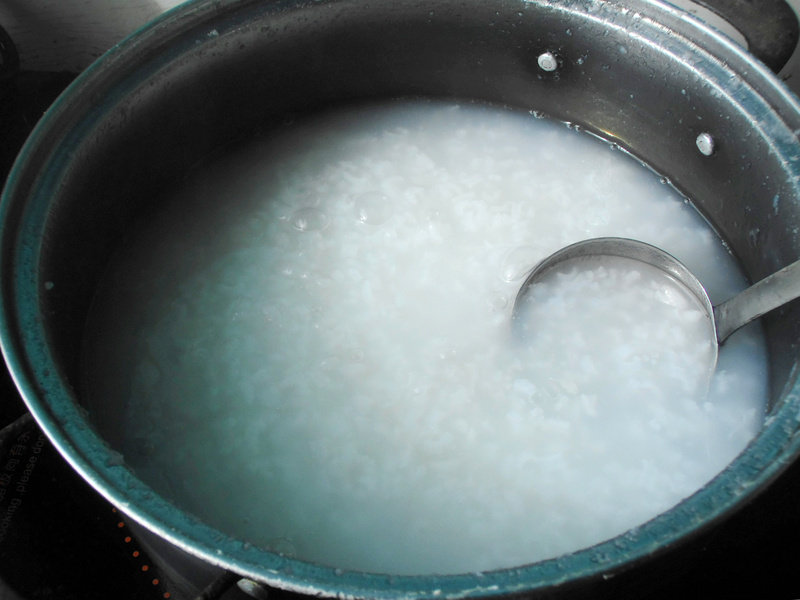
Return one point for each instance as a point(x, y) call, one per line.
point(223, 80)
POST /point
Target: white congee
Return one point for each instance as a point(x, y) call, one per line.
point(310, 346)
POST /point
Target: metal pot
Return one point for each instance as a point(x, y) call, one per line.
point(692, 105)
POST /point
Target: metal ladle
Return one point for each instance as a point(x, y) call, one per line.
point(771, 292)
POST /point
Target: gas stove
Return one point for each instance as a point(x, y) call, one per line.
point(60, 540)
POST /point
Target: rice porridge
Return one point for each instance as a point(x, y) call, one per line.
point(310, 347)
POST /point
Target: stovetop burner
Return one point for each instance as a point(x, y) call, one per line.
point(60, 540)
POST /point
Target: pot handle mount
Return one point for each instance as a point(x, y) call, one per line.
point(770, 27)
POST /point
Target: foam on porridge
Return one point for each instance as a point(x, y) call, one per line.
point(310, 347)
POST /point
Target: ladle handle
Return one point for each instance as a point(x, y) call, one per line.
point(760, 298)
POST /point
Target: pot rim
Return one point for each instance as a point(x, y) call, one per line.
point(23, 342)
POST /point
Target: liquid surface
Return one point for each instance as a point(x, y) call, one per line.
point(311, 349)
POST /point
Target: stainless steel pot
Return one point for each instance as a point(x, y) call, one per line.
point(689, 103)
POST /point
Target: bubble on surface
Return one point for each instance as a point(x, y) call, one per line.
point(309, 219)
point(373, 208)
point(518, 262)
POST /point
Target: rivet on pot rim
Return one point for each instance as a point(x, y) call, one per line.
point(705, 143)
point(547, 62)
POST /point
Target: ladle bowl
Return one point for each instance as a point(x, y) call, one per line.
point(727, 317)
